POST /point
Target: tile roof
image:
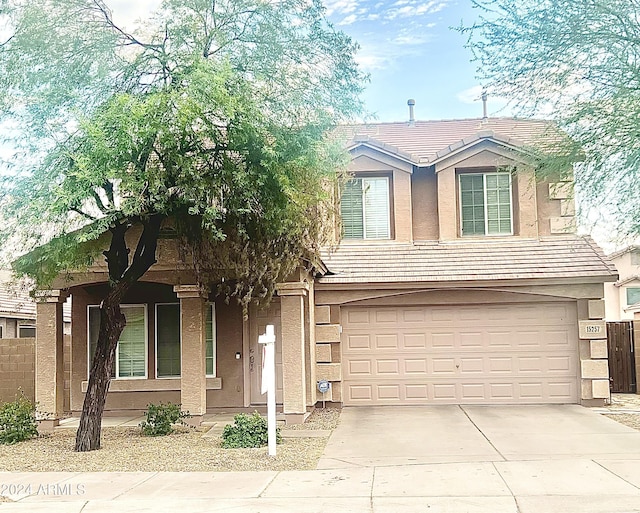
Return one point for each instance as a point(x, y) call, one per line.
point(556, 257)
point(624, 251)
point(424, 142)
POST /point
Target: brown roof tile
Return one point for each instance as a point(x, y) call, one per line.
point(424, 142)
point(565, 256)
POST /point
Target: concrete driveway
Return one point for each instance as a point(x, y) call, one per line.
point(512, 459)
point(389, 435)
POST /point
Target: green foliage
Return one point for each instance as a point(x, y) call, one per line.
point(17, 421)
point(160, 418)
point(213, 115)
point(576, 62)
point(247, 431)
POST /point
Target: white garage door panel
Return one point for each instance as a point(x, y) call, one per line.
point(471, 354)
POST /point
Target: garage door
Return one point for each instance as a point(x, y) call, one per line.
point(488, 354)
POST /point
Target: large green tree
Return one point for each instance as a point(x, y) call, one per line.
point(210, 119)
point(578, 63)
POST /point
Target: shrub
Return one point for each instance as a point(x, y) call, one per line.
point(17, 421)
point(247, 431)
point(159, 419)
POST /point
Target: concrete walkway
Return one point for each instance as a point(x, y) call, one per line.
point(520, 459)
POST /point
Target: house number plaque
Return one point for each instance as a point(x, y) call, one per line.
point(592, 329)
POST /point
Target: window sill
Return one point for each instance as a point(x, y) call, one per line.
point(152, 385)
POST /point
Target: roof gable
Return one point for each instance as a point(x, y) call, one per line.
point(424, 143)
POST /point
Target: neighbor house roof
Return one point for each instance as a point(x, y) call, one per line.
point(620, 283)
point(15, 302)
point(425, 142)
point(624, 251)
point(563, 256)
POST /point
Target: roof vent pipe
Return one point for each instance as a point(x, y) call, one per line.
point(411, 103)
point(484, 104)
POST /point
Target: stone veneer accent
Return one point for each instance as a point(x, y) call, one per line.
point(566, 222)
point(328, 364)
point(594, 365)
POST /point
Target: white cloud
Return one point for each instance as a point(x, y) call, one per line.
point(411, 8)
point(352, 18)
point(341, 6)
point(471, 95)
point(372, 61)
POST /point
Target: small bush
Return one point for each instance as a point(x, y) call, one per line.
point(17, 421)
point(160, 419)
point(247, 431)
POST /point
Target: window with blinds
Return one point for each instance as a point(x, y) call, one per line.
point(485, 204)
point(131, 352)
point(364, 207)
point(168, 340)
point(210, 340)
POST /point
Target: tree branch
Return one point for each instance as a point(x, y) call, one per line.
point(117, 256)
point(145, 254)
point(132, 40)
point(84, 214)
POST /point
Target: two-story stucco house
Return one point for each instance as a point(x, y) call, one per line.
point(622, 298)
point(459, 280)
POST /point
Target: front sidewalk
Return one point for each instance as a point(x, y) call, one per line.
point(543, 486)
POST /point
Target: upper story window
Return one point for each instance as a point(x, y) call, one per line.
point(485, 204)
point(633, 295)
point(364, 206)
point(635, 257)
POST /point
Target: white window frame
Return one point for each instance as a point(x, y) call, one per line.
point(28, 326)
point(117, 362)
point(626, 294)
point(214, 332)
point(155, 328)
point(484, 191)
point(364, 207)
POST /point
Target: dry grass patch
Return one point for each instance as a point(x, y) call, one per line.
point(186, 450)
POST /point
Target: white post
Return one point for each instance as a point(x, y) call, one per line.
point(269, 382)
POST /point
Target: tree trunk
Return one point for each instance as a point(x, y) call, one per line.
point(112, 321)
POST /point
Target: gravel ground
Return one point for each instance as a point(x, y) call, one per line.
point(628, 419)
point(327, 418)
point(125, 450)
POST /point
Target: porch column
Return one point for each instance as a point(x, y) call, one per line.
point(292, 299)
point(193, 388)
point(49, 356)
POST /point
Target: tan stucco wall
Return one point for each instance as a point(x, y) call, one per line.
point(141, 392)
point(17, 368)
point(547, 208)
point(616, 297)
point(424, 190)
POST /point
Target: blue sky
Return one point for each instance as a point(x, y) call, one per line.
point(408, 49)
